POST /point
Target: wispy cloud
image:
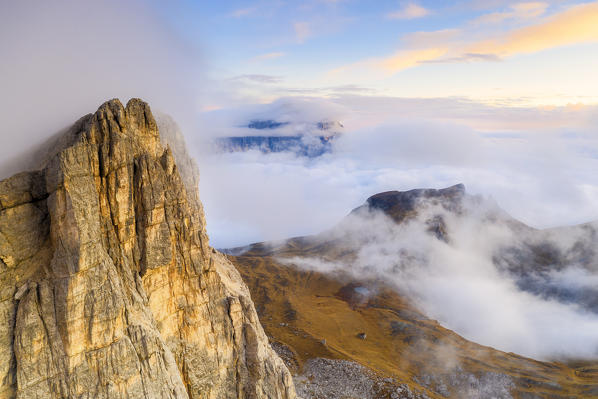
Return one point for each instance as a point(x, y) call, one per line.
point(267, 56)
point(52, 89)
point(516, 11)
point(331, 91)
point(350, 89)
point(576, 24)
point(258, 78)
point(210, 108)
point(467, 57)
point(302, 31)
point(409, 58)
point(425, 39)
point(409, 11)
point(242, 12)
point(401, 60)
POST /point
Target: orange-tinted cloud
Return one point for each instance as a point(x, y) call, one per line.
point(578, 24)
point(387, 66)
point(409, 11)
point(409, 58)
point(516, 11)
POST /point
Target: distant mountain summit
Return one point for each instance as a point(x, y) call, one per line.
point(306, 140)
point(532, 257)
point(265, 124)
point(400, 204)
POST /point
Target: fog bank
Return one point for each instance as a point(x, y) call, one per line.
point(459, 282)
point(538, 164)
point(62, 59)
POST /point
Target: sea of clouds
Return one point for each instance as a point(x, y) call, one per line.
point(62, 59)
point(537, 164)
point(459, 282)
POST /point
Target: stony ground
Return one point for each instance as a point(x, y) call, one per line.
point(342, 379)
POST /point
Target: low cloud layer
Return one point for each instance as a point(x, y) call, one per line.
point(460, 283)
point(538, 164)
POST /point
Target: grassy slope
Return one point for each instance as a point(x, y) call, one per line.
point(301, 309)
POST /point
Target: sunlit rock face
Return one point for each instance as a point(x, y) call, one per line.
point(108, 285)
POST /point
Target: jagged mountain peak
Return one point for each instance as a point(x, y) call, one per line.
point(108, 285)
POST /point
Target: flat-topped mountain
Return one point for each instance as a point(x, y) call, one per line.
point(402, 205)
point(529, 255)
point(406, 201)
point(108, 285)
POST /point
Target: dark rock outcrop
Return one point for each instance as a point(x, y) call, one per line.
point(401, 204)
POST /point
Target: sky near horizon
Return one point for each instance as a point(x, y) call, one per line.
point(498, 52)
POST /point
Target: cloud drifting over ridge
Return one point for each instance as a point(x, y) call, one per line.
point(537, 163)
point(62, 59)
point(458, 283)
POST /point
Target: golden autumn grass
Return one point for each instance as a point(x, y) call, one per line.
point(317, 315)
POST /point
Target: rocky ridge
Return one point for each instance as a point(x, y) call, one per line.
point(108, 285)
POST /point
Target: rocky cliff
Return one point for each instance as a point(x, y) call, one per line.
point(108, 286)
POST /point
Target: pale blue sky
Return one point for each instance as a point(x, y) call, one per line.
point(496, 51)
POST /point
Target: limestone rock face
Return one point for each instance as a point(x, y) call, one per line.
point(108, 286)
